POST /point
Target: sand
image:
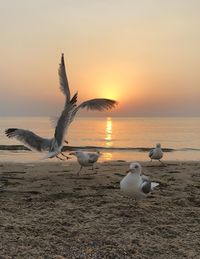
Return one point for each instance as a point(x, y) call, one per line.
point(46, 211)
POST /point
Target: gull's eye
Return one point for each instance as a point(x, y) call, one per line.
point(136, 166)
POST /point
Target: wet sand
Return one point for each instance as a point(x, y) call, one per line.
point(47, 211)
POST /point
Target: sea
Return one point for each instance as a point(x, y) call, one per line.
point(127, 138)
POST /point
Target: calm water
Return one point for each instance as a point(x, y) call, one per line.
point(181, 134)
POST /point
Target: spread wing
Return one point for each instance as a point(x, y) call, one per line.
point(98, 104)
point(64, 85)
point(29, 138)
point(95, 104)
point(65, 120)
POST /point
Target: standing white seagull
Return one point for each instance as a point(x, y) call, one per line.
point(54, 145)
point(156, 153)
point(86, 159)
point(135, 184)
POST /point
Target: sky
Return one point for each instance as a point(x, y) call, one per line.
point(143, 53)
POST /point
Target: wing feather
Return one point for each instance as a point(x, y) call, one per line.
point(146, 186)
point(99, 104)
point(65, 120)
point(29, 138)
point(93, 157)
point(64, 85)
point(151, 153)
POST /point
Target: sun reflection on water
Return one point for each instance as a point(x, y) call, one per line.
point(107, 156)
point(108, 138)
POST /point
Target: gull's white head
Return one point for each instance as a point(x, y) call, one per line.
point(76, 153)
point(158, 145)
point(135, 168)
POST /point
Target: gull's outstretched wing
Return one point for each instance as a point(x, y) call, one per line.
point(64, 85)
point(98, 104)
point(65, 120)
point(29, 138)
point(95, 104)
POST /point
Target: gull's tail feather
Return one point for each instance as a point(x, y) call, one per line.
point(153, 185)
point(10, 133)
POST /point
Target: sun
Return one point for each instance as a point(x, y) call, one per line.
point(110, 90)
point(110, 94)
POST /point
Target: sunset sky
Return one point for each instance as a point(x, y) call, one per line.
point(143, 53)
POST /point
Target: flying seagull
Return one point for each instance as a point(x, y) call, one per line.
point(86, 159)
point(54, 145)
point(99, 104)
point(156, 153)
point(135, 184)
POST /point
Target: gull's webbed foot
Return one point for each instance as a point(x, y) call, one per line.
point(67, 157)
point(60, 158)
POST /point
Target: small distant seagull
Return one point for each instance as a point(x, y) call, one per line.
point(156, 153)
point(54, 145)
point(136, 185)
point(86, 159)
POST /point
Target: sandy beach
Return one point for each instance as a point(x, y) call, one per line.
point(46, 211)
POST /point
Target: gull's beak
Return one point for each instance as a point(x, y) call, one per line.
point(128, 171)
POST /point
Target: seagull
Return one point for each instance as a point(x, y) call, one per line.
point(53, 145)
point(156, 153)
point(99, 104)
point(85, 159)
point(135, 184)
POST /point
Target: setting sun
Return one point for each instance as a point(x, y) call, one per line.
point(109, 89)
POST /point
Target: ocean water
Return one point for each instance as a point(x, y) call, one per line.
point(131, 134)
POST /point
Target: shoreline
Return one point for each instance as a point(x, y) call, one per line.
point(91, 148)
point(49, 212)
point(112, 155)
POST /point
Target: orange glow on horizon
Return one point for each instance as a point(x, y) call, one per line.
point(107, 88)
